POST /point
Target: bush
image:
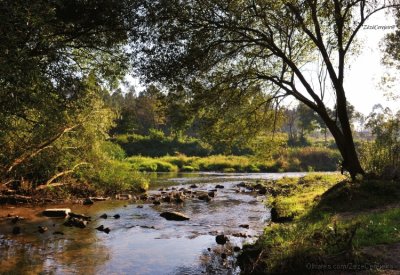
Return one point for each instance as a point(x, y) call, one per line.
point(118, 176)
point(113, 150)
point(381, 157)
point(187, 168)
point(152, 164)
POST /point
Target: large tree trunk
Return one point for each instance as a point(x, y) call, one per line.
point(345, 143)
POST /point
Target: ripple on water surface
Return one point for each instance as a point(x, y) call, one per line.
point(140, 242)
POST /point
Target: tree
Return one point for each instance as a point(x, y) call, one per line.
point(52, 53)
point(264, 43)
point(229, 118)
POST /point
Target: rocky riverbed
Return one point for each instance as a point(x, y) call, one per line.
point(185, 225)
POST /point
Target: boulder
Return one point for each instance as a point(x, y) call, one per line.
point(262, 190)
point(244, 226)
point(211, 194)
point(123, 197)
point(106, 230)
point(16, 219)
point(42, 229)
point(75, 222)
point(79, 216)
point(221, 239)
point(104, 216)
point(174, 216)
point(100, 228)
point(87, 201)
point(204, 197)
point(179, 200)
point(16, 230)
point(166, 199)
point(117, 216)
point(219, 186)
point(239, 235)
point(156, 202)
point(99, 198)
point(56, 212)
point(242, 184)
point(193, 186)
point(143, 197)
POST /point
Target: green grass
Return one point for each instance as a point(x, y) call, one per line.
point(295, 161)
point(333, 220)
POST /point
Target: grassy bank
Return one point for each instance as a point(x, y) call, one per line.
point(293, 160)
point(324, 223)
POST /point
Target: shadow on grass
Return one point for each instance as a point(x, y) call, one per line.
point(359, 196)
point(320, 238)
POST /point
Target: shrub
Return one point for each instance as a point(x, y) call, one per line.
point(187, 168)
point(113, 150)
point(118, 176)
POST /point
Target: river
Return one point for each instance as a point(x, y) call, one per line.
point(140, 241)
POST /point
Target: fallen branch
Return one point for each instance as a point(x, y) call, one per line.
point(44, 145)
point(56, 176)
point(41, 187)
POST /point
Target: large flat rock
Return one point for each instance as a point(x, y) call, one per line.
point(174, 216)
point(56, 212)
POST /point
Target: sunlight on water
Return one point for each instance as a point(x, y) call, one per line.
point(140, 242)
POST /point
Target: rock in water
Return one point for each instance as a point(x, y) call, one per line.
point(87, 201)
point(204, 197)
point(106, 230)
point(123, 197)
point(174, 216)
point(42, 229)
point(100, 228)
point(74, 222)
point(79, 216)
point(219, 186)
point(16, 230)
point(221, 239)
point(56, 212)
point(104, 216)
point(117, 216)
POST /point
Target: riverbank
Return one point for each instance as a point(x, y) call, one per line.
point(141, 239)
point(323, 223)
point(294, 160)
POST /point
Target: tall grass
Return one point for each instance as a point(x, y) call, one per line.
point(294, 160)
point(332, 223)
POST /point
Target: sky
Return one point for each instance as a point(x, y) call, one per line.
point(364, 75)
point(366, 71)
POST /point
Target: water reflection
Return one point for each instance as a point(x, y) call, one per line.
point(140, 242)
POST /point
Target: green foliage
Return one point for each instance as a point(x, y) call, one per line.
point(113, 150)
point(151, 165)
point(115, 176)
point(56, 58)
point(294, 160)
point(331, 223)
point(381, 156)
point(157, 145)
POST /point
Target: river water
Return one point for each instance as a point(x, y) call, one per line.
point(140, 241)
